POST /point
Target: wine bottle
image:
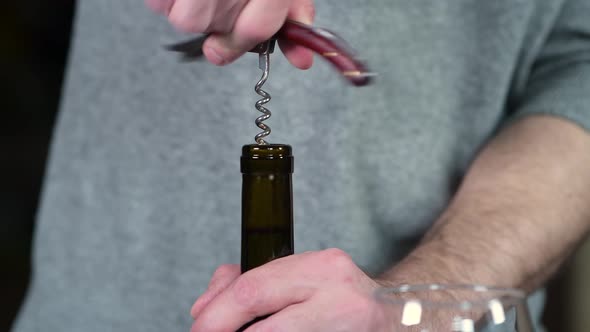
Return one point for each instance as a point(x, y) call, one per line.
point(267, 206)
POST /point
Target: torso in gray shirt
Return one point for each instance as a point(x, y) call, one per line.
point(142, 195)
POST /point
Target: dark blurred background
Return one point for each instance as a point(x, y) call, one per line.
point(34, 47)
point(34, 44)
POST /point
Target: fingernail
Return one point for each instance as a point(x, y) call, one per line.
point(214, 56)
point(306, 20)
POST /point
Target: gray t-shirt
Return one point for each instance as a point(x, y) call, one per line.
point(142, 195)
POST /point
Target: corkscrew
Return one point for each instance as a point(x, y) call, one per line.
point(321, 41)
point(264, 51)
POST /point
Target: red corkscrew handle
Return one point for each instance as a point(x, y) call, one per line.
point(331, 47)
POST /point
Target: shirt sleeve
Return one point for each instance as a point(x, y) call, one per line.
point(559, 82)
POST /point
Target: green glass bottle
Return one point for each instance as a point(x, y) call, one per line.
point(267, 204)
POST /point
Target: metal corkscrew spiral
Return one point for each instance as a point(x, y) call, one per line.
point(265, 67)
point(264, 51)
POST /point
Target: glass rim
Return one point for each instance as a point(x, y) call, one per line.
point(496, 293)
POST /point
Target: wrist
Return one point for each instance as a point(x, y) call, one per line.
point(438, 262)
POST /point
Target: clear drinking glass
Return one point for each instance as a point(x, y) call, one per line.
point(452, 308)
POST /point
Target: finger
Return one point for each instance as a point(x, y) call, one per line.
point(301, 11)
point(258, 21)
point(192, 16)
point(347, 312)
point(299, 56)
point(221, 279)
point(160, 6)
point(264, 290)
point(222, 273)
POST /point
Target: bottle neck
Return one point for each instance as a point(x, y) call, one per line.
point(267, 204)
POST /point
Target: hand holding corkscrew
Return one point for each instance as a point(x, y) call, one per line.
point(321, 41)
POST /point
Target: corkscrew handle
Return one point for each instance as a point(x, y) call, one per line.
point(329, 46)
point(321, 41)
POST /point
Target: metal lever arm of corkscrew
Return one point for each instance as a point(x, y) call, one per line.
point(321, 41)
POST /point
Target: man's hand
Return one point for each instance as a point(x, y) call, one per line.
point(313, 291)
point(236, 26)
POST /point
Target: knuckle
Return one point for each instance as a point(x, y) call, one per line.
point(337, 257)
point(187, 24)
point(222, 23)
point(253, 32)
point(224, 270)
point(246, 291)
point(222, 273)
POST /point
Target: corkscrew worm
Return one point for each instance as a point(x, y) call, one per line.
point(265, 49)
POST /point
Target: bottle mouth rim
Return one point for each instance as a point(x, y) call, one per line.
point(266, 151)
